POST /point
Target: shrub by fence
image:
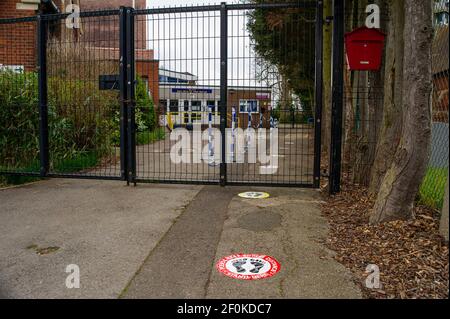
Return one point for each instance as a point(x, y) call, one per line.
point(72, 132)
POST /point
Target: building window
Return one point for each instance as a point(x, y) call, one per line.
point(173, 106)
point(248, 105)
point(196, 116)
point(196, 106)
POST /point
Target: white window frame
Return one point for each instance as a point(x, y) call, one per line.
point(246, 103)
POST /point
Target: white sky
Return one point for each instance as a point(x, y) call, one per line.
point(190, 42)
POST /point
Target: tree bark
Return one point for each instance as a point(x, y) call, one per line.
point(286, 100)
point(402, 180)
point(375, 101)
point(361, 163)
point(390, 129)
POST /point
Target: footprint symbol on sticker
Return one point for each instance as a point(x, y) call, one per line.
point(258, 265)
point(238, 265)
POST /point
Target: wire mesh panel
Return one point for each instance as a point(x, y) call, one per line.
point(178, 62)
point(266, 96)
point(83, 96)
point(432, 189)
point(19, 107)
point(207, 94)
point(271, 95)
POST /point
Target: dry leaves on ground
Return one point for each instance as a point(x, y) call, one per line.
point(411, 255)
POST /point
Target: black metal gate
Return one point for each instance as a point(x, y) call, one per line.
point(181, 95)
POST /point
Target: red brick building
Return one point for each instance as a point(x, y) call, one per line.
point(17, 41)
point(100, 35)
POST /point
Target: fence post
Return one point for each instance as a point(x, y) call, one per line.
point(43, 95)
point(131, 103)
point(123, 95)
point(223, 88)
point(318, 94)
point(338, 96)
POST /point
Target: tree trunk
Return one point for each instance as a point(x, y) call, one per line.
point(360, 165)
point(327, 53)
point(375, 101)
point(390, 129)
point(286, 100)
point(349, 119)
point(402, 180)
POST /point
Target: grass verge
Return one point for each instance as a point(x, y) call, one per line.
point(432, 190)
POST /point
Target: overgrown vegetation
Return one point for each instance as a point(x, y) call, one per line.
point(83, 123)
point(145, 109)
point(80, 122)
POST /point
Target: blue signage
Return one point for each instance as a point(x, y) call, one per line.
point(190, 90)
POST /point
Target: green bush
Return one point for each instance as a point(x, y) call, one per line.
point(19, 120)
point(145, 110)
point(81, 121)
point(84, 122)
point(81, 118)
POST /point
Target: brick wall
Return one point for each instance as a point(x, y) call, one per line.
point(17, 41)
point(107, 32)
point(149, 71)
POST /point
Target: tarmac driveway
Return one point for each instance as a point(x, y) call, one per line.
point(162, 241)
point(105, 228)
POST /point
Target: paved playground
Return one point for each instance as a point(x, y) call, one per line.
point(161, 241)
point(293, 162)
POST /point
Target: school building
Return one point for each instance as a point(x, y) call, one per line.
point(187, 102)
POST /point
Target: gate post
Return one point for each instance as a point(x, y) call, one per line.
point(131, 103)
point(43, 95)
point(123, 95)
point(223, 88)
point(338, 96)
point(318, 93)
point(127, 96)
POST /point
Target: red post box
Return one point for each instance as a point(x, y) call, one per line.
point(364, 48)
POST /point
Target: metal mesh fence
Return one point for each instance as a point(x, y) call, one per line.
point(433, 186)
point(113, 86)
point(211, 71)
point(19, 107)
point(84, 136)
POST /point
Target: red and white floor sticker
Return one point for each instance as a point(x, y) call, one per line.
point(248, 266)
